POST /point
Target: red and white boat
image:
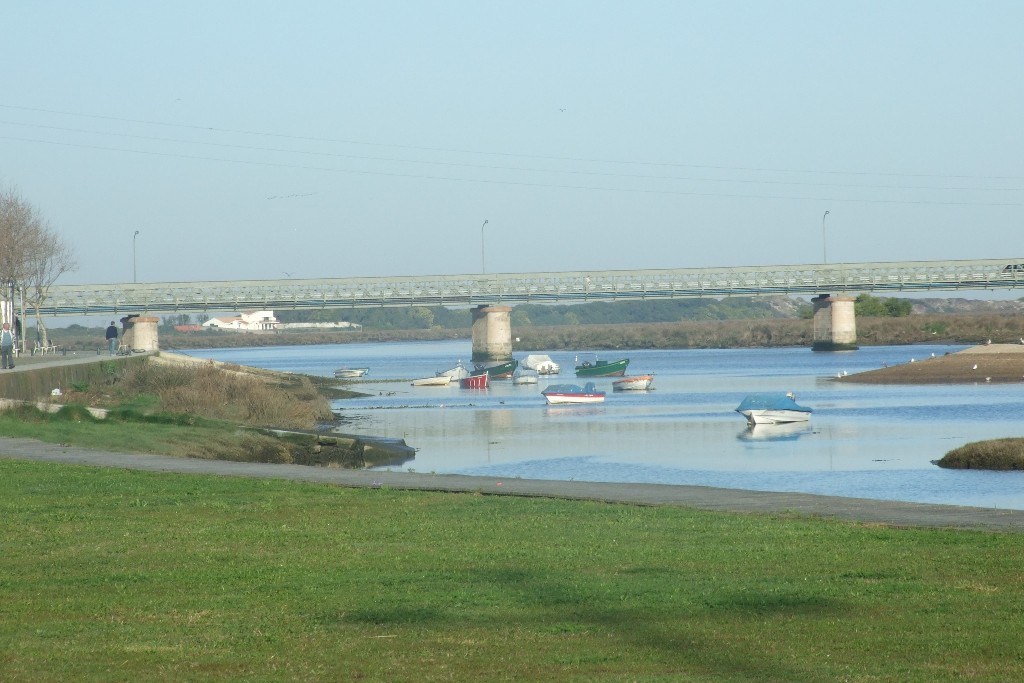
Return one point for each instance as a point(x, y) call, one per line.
point(481, 381)
point(571, 393)
point(634, 383)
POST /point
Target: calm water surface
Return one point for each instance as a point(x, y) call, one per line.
point(863, 440)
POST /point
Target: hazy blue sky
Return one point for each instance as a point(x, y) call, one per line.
point(334, 139)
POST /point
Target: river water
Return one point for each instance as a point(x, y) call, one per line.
point(865, 441)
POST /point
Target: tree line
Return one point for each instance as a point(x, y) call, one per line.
point(598, 313)
point(32, 256)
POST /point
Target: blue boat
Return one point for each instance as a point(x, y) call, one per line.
point(773, 409)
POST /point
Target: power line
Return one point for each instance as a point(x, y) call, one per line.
point(215, 129)
point(512, 168)
point(505, 182)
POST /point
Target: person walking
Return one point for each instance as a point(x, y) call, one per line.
point(6, 347)
point(112, 338)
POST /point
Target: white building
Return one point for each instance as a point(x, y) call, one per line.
point(264, 321)
point(248, 321)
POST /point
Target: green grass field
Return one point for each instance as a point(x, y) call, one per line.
point(110, 575)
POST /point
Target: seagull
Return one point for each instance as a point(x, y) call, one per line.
point(911, 360)
point(975, 367)
point(988, 379)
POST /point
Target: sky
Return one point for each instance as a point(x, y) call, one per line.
point(267, 140)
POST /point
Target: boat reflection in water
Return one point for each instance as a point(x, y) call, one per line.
point(789, 431)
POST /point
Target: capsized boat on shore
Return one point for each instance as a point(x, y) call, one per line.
point(773, 409)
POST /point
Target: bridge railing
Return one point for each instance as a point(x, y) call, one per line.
point(518, 288)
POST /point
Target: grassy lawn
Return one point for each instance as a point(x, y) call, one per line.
point(119, 575)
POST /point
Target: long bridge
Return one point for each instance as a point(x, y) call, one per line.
point(521, 288)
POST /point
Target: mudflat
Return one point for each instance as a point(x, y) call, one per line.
point(993, 363)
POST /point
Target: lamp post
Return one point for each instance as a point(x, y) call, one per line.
point(483, 263)
point(824, 247)
point(134, 271)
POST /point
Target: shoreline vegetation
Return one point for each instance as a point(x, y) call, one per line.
point(177, 405)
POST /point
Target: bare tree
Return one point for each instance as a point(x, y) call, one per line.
point(50, 258)
point(32, 255)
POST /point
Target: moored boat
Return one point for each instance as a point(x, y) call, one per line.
point(524, 376)
point(456, 373)
point(496, 370)
point(349, 373)
point(595, 367)
point(572, 393)
point(542, 364)
point(633, 383)
point(435, 381)
point(481, 381)
point(773, 409)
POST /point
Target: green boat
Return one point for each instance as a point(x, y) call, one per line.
point(497, 370)
point(601, 368)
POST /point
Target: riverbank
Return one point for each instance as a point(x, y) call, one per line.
point(713, 499)
point(986, 363)
point(924, 328)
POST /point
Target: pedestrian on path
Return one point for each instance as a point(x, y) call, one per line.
point(6, 347)
point(112, 338)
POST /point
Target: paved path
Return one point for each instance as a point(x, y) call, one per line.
point(890, 513)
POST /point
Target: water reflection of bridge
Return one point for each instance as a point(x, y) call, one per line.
point(519, 288)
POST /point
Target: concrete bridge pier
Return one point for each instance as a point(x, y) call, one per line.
point(140, 333)
point(835, 325)
point(492, 334)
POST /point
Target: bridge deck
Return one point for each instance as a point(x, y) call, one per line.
point(515, 288)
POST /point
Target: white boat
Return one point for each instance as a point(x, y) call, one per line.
point(542, 364)
point(571, 393)
point(773, 409)
point(435, 381)
point(456, 373)
point(348, 373)
point(634, 383)
point(789, 431)
point(522, 376)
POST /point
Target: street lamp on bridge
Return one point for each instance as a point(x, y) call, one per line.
point(483, 266)
point(134, 271)
point(824, 246)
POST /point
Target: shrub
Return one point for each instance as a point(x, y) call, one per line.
point(996, 454)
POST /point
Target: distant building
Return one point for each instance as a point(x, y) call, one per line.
point(248, 321)
point(264, 321)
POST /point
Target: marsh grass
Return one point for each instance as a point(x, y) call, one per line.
point(228, 393)
point(995, 454)
point(114, 575)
